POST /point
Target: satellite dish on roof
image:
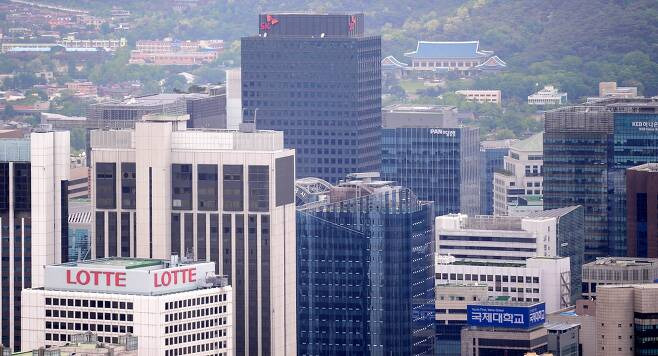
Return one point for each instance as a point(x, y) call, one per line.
point(322, 35)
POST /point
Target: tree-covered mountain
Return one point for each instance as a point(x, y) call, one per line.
point(573, 44)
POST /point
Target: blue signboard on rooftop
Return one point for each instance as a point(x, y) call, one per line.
point(507, 316)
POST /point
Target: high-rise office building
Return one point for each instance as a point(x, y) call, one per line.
point(587, 150)
point(365, 264)
point(492, 154)
point(424, 150)
point(642, 210)
point(218, 195)
point(317, 78)
point(518, 187)
point(34, 177)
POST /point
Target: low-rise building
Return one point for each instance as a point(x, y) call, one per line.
point(518, 187)
point(538, 279)
point(548, 96)
point(617, 270)
point(172, 307)
point(611, 90)
point(504, 328)
point(464, 57)
point(452, 300)
point(88, 344)
point(563, 339)
point(482, 96)
point(82, 88)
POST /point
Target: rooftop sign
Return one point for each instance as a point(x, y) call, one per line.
point(141, 281)
point(506, 316)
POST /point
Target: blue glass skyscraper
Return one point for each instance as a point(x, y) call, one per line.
point(365, 272)
point(492, 154)
point(425, 151)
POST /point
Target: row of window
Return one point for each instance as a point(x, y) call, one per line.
point(200, 324)
point(194, 313)
point(89, 303)
point(122, 329)
point(199, 348)
point(195, 301)
point(194, 337)
point(487, 278)
point(88, 315)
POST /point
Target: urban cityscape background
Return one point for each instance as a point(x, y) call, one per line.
point(208, 177)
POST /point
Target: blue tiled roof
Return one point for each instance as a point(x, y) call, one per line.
point(468, 49)
point(393, 62)
point(493, 62)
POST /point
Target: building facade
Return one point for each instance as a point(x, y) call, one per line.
point(587, 150)
point(616, 271)
point(548, 96)
point(625, 319)
point(365, 272)
point(610, 89)
point(438, 162)
point(642, 210)
point(34, 175)
point(217, 195)
point(463, 57)
point(563, 339)
point(172, 308)
point(499, 239)
point(518, 187)
point(298, 76)
point(492, 155)
point(537, 279)
point(206, 110)
point(452, 300)
point(482, 96)
point(504, 328)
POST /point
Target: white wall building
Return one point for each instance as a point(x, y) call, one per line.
point(538, 279)
point(518, 188)
point(218, 195)
point(33, 200)
point(172, 308)
point(495, 239)
point(548, 96)
point(233, 98)
point(481, 96)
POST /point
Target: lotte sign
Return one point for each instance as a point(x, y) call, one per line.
point(143, 281)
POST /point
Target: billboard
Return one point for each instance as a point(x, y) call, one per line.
point(141, 281)
point(506, 316)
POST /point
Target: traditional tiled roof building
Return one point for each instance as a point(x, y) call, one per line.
point(466, 57)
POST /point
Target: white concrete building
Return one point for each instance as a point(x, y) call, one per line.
point(233, 98)
point(548, 96)
point(518, 188)
point(496, 239)
point(482, 96)
point(33, 202)
point(538, 279)
point(219, 195)
point(172, 308)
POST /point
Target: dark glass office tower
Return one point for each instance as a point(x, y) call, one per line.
point(365, 272)
point(317, 78)
point(587, 150)
point(437, 160)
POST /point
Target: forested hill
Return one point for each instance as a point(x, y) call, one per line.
point(552, 40)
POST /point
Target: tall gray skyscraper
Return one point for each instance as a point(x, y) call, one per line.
point(318, 79)
point(219, 195)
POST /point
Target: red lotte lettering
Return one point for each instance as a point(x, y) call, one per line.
point(180, 276)
point(97, 278)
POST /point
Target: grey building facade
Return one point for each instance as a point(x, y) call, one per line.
point(317, 78)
